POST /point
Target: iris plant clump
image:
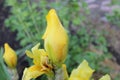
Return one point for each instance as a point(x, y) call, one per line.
point(50, 60)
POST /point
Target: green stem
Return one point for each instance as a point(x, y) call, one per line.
point(50, 78)
point(58, 74)
point(61, 73)
point(50, 75)
point(13, 73)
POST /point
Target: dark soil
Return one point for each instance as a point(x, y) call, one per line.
point(5, 34)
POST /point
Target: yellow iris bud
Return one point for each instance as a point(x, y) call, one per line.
point(10, 56)
point(56, 39)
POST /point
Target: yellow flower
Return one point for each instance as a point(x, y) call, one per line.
point(83, 72)
point(56, 39)
point(106, 77)
point(41, 64)
point(10, 56)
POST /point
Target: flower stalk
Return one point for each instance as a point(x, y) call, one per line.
point(14, 74)
point(61, 73)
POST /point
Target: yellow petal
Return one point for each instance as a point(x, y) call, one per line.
point(106, 77)
point(35, 55)
point(35, 47)
point(10, 56)
point(29, 54)
point(41, 64)
point(39, 56)
point(56, 39)
point(83, 72)
point(32, 72)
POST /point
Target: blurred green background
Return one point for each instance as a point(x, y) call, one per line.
point(93, 27)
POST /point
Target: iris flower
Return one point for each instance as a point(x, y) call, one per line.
point(56, 39)
point(41, 64)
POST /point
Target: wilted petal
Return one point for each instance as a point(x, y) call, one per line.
point(32, 72)
point(83, 72)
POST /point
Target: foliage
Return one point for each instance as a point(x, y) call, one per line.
point(114, 16)
point(79, 49)
point(26, 20)
point(117, 77)
point(114, 2)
